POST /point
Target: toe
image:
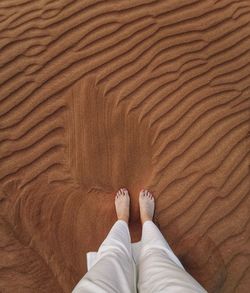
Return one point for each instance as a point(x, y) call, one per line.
point(125, 191)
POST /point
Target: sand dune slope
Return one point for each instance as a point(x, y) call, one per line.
point(97, 95)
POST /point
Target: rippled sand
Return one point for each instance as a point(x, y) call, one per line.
point(98, 95)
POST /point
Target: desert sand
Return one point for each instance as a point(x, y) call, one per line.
point(98, 95)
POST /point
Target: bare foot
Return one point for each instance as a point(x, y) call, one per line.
point(147, 205)
point(122, 201)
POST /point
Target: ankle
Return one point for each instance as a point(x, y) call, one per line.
point(146, 219)
point(122, 218)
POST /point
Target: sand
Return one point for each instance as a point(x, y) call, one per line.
point(98, 95)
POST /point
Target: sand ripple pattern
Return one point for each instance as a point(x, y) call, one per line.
point(96, 95)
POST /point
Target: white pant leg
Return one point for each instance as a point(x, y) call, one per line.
point(159, 268)
point(114, 270)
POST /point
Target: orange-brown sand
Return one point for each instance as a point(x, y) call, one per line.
point(98, 95)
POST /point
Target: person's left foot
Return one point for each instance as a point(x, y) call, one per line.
point(122, 201)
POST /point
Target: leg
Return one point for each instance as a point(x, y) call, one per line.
point(114, 270)
point(159, 268)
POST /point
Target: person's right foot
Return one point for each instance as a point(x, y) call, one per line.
point(147, 205)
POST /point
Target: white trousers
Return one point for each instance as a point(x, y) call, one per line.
point(158, 270)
